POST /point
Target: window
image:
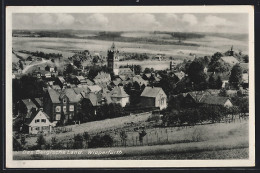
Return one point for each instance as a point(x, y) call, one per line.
point(64, 101)
point(70, 116)
point(57, 108)
point(37, 121)
point(71, 107)
point(57, 116)
point(43, 120)
point(45, 128)
point(37, 128)
point(64, 109)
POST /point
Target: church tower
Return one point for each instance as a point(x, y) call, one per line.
point(113, 59)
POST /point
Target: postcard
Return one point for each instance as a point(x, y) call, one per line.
point(125, 86)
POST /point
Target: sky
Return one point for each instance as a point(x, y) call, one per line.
point(188, 22)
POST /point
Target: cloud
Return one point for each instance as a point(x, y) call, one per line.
point(97, 20)
point(64, 19)
point(171, 16)
point(190, 19)
point(46, 19)
point(143, 21)
point(216, 21)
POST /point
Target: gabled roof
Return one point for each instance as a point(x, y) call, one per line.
point(29, 104)
point(151, 91)
point(94, 88)
point(33, 115)
point(61, 79)
point(56, 87)
point(214, 100)
point(230, 60)
point(124, 71)
point(73, 97)
point(118, 91)
point(54, 95)
point(38, 102)
point(80, 78)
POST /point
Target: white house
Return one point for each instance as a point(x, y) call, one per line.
point(39, 122)
point(118, 95)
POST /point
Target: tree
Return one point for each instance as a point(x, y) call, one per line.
point(47, 68)
point(86, 111)
point(40, 141)
point(95, 59)
point(69, 69)
point(78, 142)
point(137, 69)
point(223, 92)
point(123, 136)
point(196, 73)
point(106, 141)
point(218, 83)
point(235, 78)
point(245, 58)
point(86, 137)
point(148, 70)
point(16, 145)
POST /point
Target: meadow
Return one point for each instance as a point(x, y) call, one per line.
point(222, 141)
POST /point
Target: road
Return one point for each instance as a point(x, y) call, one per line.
point(29, 66)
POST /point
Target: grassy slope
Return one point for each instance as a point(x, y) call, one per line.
point(183, 149)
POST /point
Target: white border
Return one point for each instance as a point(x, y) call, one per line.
point(126, 163)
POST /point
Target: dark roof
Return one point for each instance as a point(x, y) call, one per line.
point(73, 97)
point(151, 91)
point(29, 104)
point(38, 102)
point(118, 91)
point(69, 92)
point(214, 100)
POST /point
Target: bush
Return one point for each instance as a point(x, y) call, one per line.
point(78, 142)
point(40, 141)
point(101, 141)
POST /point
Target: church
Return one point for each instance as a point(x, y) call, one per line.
point(113, 59)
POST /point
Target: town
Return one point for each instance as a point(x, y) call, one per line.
point(60, 103)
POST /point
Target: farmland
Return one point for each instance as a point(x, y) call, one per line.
point(204, 44)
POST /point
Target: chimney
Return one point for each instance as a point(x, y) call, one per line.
point(29, 100)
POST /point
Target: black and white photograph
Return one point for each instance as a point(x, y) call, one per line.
point(126, 87)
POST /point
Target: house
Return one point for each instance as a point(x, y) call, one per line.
point(125, 72)
point(140, 80)
point(216, 100)
point(245, 79)
point(81, 80)
point(206, 97)
point(39, 122)
point(102, 77)
point(94, 88)
point(25, 106)
point(231, 60)
point(179, 75)
point(245, 67)
point(118, 95)
point(61, 81)
point(61, 106)
point(154, 97)
point(224, 76)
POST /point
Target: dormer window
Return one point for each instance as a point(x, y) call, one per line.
point(64, 100)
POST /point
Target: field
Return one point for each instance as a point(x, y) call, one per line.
point(205, 139)
point(201, 46)
point(231, 148)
